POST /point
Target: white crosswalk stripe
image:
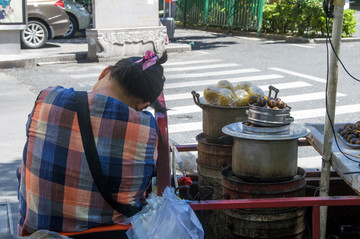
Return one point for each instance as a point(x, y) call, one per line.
point(307, 97)
point(214, 82)
point(180, 63)
point(85, 84)
point(80, 69)
point(211, 73)
point(298, 74)
point(85, 76)
point(312, 113)
point(202, 67)
point(185, 127)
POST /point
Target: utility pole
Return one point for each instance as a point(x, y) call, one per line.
point(331, 103)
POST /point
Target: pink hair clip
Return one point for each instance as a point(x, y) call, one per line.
point(148, 60)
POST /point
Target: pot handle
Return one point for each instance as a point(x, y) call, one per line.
point(196, 99)
point(289, 119)
point(276, 90)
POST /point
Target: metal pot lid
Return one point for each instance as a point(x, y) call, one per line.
point(237, 130)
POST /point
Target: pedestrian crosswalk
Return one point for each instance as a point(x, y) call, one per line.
point(304, 93)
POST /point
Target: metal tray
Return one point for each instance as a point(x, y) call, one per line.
point(354, 146)
point(237, 130)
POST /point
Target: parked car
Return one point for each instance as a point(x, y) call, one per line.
point(46, 20)
point(80, 18)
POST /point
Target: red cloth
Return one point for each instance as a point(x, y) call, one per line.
point(185, 181)
point(168, 1)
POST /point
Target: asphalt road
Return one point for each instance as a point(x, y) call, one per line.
point(298, 70)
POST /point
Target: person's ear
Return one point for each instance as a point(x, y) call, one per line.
point(105, 72)
point(141, 106)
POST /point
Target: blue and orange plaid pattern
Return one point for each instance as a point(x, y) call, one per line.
point(57, 191)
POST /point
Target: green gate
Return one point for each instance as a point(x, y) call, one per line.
point(233, 14)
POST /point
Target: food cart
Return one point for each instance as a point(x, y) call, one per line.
point(342, 200)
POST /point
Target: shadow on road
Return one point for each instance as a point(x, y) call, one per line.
point(206, 42)
point(8, 179)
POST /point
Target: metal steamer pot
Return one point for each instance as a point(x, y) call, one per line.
point(269, 117)
point(215, 117)
point(265, 156)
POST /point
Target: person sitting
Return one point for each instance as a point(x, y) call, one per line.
point(57, 191)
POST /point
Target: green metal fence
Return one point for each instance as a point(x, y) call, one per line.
point(233, 14)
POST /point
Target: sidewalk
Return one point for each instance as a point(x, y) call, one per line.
point(62, 50)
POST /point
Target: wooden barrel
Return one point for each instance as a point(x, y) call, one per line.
point(264, 222)
point(212, 158)
point(236, 188)
point(289, 223)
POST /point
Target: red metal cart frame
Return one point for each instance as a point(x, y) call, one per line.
point(163, 180)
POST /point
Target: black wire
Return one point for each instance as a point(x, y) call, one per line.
point(315, 188)
point(326, 87)
point(329, 13)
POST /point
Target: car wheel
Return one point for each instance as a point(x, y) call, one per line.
point(34, 36)
point(73, 27)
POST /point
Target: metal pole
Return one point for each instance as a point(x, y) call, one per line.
point(185, 13)
point(260, 14)
point(164, 9)
point(169, 8)
point(331, 103)
point(231, 15)
point(206, 11)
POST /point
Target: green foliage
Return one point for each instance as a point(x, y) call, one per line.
point(302, 18)
point(349, 23)
point(355, 3)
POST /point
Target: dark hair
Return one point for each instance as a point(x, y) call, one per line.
point(145, 84)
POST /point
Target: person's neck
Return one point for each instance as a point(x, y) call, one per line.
point(109, 87)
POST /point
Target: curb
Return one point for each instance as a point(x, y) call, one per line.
point(69, 57)
point(177, 48)
point(37, 60)
point(290, 39)
point(26, 62)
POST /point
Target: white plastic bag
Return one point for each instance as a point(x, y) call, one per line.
point(165, 217)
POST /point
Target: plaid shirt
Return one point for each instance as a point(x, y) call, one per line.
point(57, 191)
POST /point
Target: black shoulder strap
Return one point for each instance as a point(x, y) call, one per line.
point(87, 136)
